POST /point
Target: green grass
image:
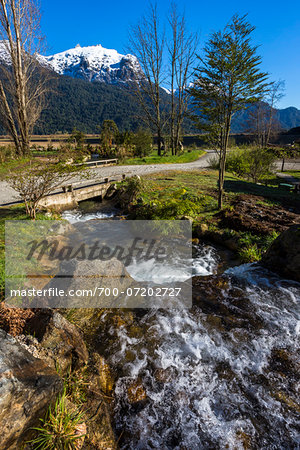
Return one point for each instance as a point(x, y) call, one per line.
point(292, 173)
point(274, 180)
point(272, 194)
point(155, 159)
point(253, 246)
point(59, 428)
point(163, 185)
point(43, 153)
point(13, 213)
point(171, 194)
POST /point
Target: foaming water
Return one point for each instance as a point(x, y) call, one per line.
point(205, 262)
point(89, 210)
point(80, 216)
point(215, 376)
point(223, 374)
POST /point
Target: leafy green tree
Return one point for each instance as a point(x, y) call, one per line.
point(227, 80)
point(143, 143)
point(78, 137)
point(109, 133)
point(125, 138)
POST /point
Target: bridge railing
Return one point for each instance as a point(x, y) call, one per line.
point(102, 162)
point(79, 185)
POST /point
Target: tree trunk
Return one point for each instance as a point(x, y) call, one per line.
point(158, 142)
point(223, 154)
point(282, 165)
point(221, 179)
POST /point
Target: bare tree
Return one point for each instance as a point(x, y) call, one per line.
point(258, 122)
point(35, 182)
point(275, 94)
point(23, 85)
point(182, 57)
point(147, 44)
point(262, 116)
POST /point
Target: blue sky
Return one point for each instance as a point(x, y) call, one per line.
point(66, 23)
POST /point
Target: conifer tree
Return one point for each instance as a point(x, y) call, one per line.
point(228, 80)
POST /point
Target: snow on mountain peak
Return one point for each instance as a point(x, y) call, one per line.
point(94, 63)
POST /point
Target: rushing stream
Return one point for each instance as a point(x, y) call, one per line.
point(221, 375)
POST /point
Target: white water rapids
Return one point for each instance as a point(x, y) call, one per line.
point(221, 375)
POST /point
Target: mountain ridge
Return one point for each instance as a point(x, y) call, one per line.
point(92, 84)
point(95, 64)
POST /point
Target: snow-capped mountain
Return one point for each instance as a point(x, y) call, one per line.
point(94, 63)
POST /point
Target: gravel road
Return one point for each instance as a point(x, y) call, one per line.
point(9, 195)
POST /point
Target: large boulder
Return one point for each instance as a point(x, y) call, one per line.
point(27, 387)
point(283, 257)
point(62, 345)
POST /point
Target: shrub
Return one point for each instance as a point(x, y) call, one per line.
point(34, 182)
point(213, 162)
point(7, 153)
point(180, 204)
point(253, 246)
point(252, 164)
point(237, 162)
point(259, 163)
point(59, 429)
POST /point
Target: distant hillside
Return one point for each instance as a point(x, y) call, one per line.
point(84, 105)
point(74, 102)
point(294, 131)
point(287, 118)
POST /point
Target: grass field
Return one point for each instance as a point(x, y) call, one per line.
point(13, 213)
point(188, 156)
